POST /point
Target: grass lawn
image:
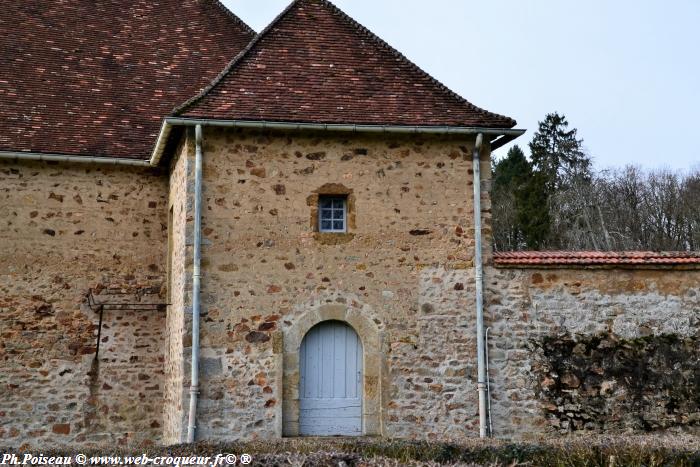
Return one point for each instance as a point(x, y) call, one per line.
point(592, 450)
point(659, 450)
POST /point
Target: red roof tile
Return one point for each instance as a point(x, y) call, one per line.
point(594, 258)
point(86, 77)
point(315, 64)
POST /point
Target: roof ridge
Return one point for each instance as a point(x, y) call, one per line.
point(361, 29)
point(233, 16)
point(227, 69)
point(384, 44)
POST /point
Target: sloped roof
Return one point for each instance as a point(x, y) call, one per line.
point(315, 64)
point(595, 258)
point(96, 77)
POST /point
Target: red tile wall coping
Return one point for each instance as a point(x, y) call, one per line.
point(595, 258)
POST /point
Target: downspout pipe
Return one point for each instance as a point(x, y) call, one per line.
point(194, 379)
point(479, 281)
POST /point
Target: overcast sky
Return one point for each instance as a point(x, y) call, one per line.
point(626, 73)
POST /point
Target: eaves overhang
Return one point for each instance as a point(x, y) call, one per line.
point(497, 136)
point(54, 157)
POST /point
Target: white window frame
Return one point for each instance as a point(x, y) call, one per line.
point(333, 219)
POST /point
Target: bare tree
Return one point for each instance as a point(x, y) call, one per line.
point(629, 210)
point(626, 209)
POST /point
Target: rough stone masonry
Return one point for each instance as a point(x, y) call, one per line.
point(570, 349)
point(594, 349)
point(65, 229)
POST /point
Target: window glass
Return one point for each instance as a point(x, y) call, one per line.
point(332, 214)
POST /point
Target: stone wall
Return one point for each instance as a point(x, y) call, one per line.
point(179, 315)
point(570, 349)
point(65, 229)
point(405, 264)
point(593, 349)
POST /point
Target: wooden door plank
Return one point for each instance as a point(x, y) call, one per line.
point(330, 381)
point(329, 403)
point(335, 413)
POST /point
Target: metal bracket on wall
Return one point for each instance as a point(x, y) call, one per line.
point(100, 307)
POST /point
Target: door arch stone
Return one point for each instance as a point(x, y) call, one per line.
point(371, 337)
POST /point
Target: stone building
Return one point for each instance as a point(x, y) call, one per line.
point(295, 209)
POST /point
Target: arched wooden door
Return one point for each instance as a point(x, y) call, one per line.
point(330, 387)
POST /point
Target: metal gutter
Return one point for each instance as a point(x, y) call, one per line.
point(39, 156)
point(170, 122)
point(503, 136)
point(479, 282)
point(194, 378)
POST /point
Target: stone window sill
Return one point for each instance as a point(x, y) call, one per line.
point(326, 238)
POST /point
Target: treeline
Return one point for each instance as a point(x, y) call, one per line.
point(553, 200)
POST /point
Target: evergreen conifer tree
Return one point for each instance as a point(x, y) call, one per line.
point(557, 154)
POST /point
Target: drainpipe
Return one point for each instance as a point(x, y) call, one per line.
point(478, 277)
point(194, 380)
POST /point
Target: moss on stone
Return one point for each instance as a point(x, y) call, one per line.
point(604, 382)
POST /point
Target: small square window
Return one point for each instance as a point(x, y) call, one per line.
point(332, 214)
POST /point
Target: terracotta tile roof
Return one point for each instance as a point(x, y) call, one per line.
point(594, 258)
point(315, 64)
point(86, 77)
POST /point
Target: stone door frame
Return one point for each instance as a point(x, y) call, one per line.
point(371, 338)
